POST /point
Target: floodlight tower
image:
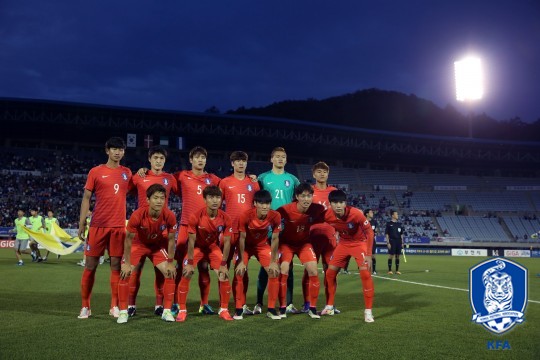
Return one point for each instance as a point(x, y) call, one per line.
point(469, 83)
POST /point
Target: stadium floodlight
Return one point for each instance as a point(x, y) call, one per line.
point(469, 79)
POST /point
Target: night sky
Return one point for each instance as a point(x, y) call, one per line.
point(191, 55)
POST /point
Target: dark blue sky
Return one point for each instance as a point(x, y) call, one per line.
point(182, 55)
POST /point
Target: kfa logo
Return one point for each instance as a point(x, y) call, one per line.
point(287, 183)
point(249, 187)
point(498, 293)
point(207, 181)
point(165, 182)
point(124, 176)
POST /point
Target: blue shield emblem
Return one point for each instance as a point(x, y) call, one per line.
point(350, 225)
point(162, 227)
point(498, 294)
point(124, 176)
point(207, 181)
point(249, 187)
point(165, 182)
point(220, 228)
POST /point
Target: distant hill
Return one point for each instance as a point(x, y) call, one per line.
point(395, 111)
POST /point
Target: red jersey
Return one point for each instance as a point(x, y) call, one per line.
point(257, 230)
point(110, 187)
point(353, 227)
point(142, 184)
point(207, 230)
point(321, 196)
point(150, 231)
point(238, 196)
point(191, 187)
point(296, 225)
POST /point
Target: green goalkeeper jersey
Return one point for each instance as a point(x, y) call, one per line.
point(280, 186)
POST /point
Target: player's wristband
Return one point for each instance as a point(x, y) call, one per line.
point(170, 260)
point(190, 262)
point(223, 263)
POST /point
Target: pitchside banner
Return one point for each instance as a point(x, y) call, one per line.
point(517, 253)
point(424, 251)
point(535, 253)
point(469, 252)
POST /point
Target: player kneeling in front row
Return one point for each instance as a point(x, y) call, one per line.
point(155, 226)
point(204, 229)
point(254, 226)
point(355, 240)
point(297, 219)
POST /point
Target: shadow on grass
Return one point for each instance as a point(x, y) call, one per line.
point(398, 303)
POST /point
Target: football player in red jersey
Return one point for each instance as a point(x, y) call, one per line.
point(322, 235)
point(204, 228)
point(110, 184)
point(254, 226)
point(157, 156)
point(238, 190)
point(192, 183)
point(297, 219)
point(355, 240)
point(155, 227)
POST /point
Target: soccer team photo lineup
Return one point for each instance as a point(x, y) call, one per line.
point(224, 225)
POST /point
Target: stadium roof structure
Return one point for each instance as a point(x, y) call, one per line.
point(53, 120)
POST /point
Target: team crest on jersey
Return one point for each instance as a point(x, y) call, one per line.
point(207, 181)
point(249, 187)
point(350, 225)
point(498, 294)
point(220, 228)
point(310, 219)
point(162, 227)
point(287, 183)
point(165, 182)
point(124, 176)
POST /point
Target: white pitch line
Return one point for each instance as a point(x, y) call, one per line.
point(418, 283)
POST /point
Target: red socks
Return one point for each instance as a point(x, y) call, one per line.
point(87, 283)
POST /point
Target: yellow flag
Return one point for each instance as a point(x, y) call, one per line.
point(54, 242)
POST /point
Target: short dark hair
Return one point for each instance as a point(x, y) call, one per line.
point(239, 155)
point(303, 187)
point(197, 150)
point(262, 197)
point(393, 211)
point(276, 149)
point(152, 189)
point(320, 165)
point(367, 210)
point(212, 190)
point(115, 142)
point(337, 196)
point(158, 149)
point(34, 208)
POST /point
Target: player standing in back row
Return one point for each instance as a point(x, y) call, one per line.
point(192, 183)
point(238, 190)
point(280, 184)
point(110, 183)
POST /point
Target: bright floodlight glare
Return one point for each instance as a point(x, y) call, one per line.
point(469, 79)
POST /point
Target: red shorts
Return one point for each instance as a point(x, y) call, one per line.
point(211, 253)
point(263, 253)
point(342, 254)
point(304, 252)
point(156, 254)
point(323, 240)
point(101, 238)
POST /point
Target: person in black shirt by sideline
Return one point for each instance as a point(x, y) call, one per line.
point(394, 240)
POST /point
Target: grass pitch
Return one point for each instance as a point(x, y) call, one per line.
point(39, 304)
